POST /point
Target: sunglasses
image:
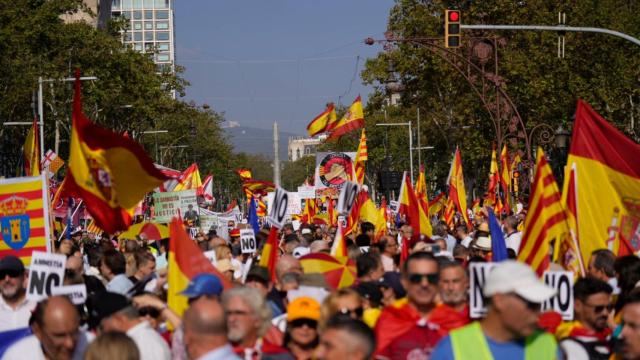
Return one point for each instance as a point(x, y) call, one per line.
point(600, 308)
point(11, 273)
point(69, 273)
point(302, 322)
point(150, 311)
point(417, 278)
point(357, 312)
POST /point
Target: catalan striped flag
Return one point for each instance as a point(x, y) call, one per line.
point(321, 122)
point(457, 192)
point(270, 252)
point(110, 172)
point(505, 179)
point(339, 247)
point(24, 217)
point(185, 262)
point(410, 207)
point(421, 190)
point(31, 151)
point(449, 213)
point(93, 228)
point(353, 119)
point(361, 157)
point(257, 187)
point(546, 219)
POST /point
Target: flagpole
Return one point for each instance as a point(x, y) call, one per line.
point(41, 118)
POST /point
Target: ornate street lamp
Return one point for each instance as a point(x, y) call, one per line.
point(561, 138)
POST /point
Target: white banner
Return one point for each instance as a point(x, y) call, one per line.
point(562, 303)
point(477, 274)
point(46, 272)
point(77, 293)
point(248, 242)
point(307, 192)
point(167, 204)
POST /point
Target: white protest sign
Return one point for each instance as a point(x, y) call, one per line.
point(393, 206)
point(347, 197)
point(477, 274)
point(76, 293)
point(294, 206)
point(208, 222)
point(211, 256)
point(248, 241)
point(278, 212)
point(342, 221)
point(562, 303)
point(45, 273)
point(167, 204)
point(307, 192)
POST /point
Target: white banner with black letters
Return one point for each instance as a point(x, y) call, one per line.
point(562, 303)
point(45, 273)
point(477, 275)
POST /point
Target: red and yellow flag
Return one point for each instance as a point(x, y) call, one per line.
point(449, 213)
point(189, 179)
point(339, 247)
point(245, 174)
point(546, 219)
point(438, 204)
point(270, 253)
point(457, 192)
point(110, 172)
point(257, 187)
point(369, 212)
point(352, 120)
point(321, 122)
point(186, 261)
point(492, 199)
point(567, 249)
point(607, 169)
point(31, 151)
point(421, 190)
point(361, 157)
point(24, 217)
point(410, 207)
point(505, 179)
point(309, 212)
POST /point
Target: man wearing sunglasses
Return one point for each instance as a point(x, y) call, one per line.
point(404, 329)
point(15, 309)
point(588, 335)
point(513, 294)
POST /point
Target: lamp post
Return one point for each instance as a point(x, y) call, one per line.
point(561, 141)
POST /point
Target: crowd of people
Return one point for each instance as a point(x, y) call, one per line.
point(411, 306)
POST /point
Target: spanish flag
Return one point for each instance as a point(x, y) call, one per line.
point(457, 192)
point(339, 246)
point(567, 249)
point(606, 166)
point(410, 207)
point(369, 212)
point(361, 157)
point(505, 179)
point(320, 123)
point(492, 199)
point(189, 179)
point(31, 151)
point(245, 174)
point(546, 219)
point(421, 190)
point(270, 251)
point(110, 172)
point(353, 119)
point(185, 262)
point(257, 187)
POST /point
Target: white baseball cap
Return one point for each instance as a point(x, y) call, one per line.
point(305, 231)
point(511, 276)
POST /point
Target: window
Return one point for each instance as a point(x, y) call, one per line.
point(162, 14)
point(126, 15)
point(137, 15)
point(137, 4)
point(163, 46)
point(297, 154)
point(162, 35)
point(126, 4)
point(137, 47)
point(148, 3)
point(307, 150)
point(127, 36)
point(116, 4)
point(162, 25)
point(137, 25)
point(137, 36)
point(162, 4)
point(148, 25)
point(162, 57)
point(148, 46)
point(148, 14)
point(148, 36)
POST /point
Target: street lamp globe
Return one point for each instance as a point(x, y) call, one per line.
point(561, 138)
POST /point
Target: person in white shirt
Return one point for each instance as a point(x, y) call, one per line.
point(388, 250)
point(205, 331)
point(514, 237)
point(112, 267)
point(114, 312)
point(15, 309)
point(56, 333)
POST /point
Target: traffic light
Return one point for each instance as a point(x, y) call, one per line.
point(452, 32)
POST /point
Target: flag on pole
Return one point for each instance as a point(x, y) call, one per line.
point(110, 172)
point(320, 123)
point(52, 162)
point(608, 184)
point(492, 198)
point(421, 190)
point(207, 188)
point(245, 174)
point(258, 187)
point(189, 179)
point(262, 208)
point(270, 251)
point(449, 213)
point(567, 250)
point(339, 246)
point(438, 204)
point(546, 219)
point(352, 120)
point(361, 157)
point(505, 179)
point(498, 245)
point(457, 192)
point(410, 207)
point(24, 217)
point(309, 212)
point(185, 262)
point(31, 151)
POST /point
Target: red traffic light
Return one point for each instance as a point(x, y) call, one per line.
point(454, 15)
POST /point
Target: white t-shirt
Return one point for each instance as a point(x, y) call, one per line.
point(151, 345)
point(11, 319)
point(513, 241)
point(29, 348)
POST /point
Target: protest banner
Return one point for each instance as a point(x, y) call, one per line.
point(307, 192)
point(294, 206)
point(76, 293)
point(167, 205)
point(333, 169)
point(278, 211)
point(24, 217)
point(477, 274)
point(347, 197)
point(562, 303)
point(248, 242)
point(46, 272)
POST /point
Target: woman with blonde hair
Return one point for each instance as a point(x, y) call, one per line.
point(112, 345)
point(346, 302)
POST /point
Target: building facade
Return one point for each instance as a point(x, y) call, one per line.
point(99, 16)
point(150, 30)
point(301, 146)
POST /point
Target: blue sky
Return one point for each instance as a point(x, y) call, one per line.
point(262, 61)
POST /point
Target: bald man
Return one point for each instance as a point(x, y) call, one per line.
point(205, 331)
point(56, 333)
point(287, 264)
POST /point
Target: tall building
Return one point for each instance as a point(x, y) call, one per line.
point(100, 13)
point(151, 28)
point(303, 146)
